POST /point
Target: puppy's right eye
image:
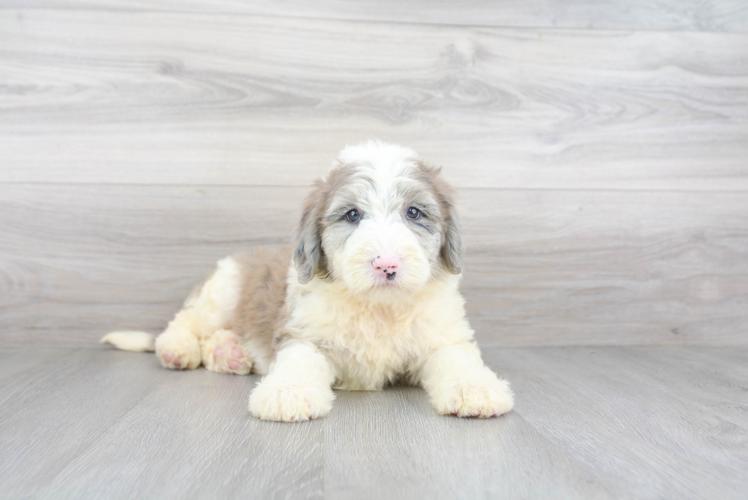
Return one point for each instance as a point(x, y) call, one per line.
point(353, 216)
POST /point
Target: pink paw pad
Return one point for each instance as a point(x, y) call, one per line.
point(230, 357)
point(175, 361)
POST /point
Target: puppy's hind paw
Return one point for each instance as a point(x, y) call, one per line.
point(289, 402)
point(178, 352)
point(223, 353)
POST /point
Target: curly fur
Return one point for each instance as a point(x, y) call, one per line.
point(318, 316)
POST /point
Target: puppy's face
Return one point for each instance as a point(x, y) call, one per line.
point(382, 223)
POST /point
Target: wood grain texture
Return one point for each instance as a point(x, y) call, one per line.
point(603, 173)
point(95, 424)
point(542, 268)
point(711, 15)
point(445, 457)
point(633, 417)
point(164, 98)
point(589, 423)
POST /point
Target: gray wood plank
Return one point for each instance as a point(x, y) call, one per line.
point(71, 402)
point(633, 420)
point(23, 360)
point(701, 15)
point(542, 268)
point(23, 368)
point(115, 425)
point(164, 98)
point(393, 445)
point(589, 423)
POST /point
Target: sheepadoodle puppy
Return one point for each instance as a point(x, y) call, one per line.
point(367, 296)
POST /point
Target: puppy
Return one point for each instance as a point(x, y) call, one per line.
point(368, 296)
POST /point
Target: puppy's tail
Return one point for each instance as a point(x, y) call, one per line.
point(131, 341)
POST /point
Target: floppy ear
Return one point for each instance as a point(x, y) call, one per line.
point(452, 248)
point(308, 240)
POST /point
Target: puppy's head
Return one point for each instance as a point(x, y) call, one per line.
point(382, 222)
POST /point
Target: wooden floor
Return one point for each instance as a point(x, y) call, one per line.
point(589, 423)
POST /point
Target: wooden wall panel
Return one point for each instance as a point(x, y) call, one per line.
point(603, 174)
point(543, 267)
point(680, 15)
point(171, 98)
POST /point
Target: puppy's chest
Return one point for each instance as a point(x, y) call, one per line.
point(369, 348)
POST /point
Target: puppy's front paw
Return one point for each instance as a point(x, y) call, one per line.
point(483, 398)
point(290, 402)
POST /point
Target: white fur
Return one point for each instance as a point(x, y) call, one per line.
point(353, 331)
point(204, 321)
point(372, 335)
point(297, 387)
point(228, 342)
point(459, 384)
point(204, 315)
point(382, 228)
point(383, 157)
point(371, 344)
point(131, 341)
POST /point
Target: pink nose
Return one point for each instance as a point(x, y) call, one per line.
point(386, 265)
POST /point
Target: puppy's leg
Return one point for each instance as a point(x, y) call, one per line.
point(298, 386)
point(209, 309)
point(178, 347)
point(224, 353)
point(458, 383)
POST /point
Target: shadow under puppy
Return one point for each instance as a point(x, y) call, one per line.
point(369, 297)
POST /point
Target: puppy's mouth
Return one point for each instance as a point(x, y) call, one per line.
point(386, 279)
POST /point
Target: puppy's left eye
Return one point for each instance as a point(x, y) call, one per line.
point(353, 216)
point(413, 213)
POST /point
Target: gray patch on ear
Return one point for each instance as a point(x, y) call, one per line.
point(452, 248)
point(309, 257)
point(308, 252)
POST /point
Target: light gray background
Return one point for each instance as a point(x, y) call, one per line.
point(600, 150)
